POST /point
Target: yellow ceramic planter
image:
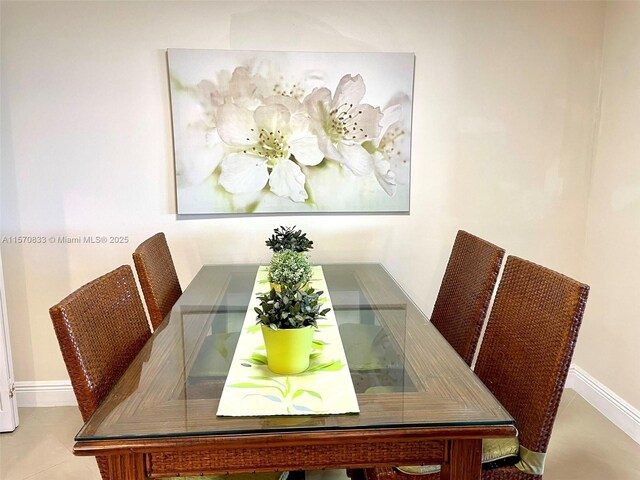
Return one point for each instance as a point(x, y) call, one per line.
point(288, 350)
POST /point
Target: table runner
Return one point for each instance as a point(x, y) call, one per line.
point(251, 389)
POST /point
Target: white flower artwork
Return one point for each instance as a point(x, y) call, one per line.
point(291, 132)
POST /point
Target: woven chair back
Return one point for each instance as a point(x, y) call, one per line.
point(158, 278)
point(100, 327)
point(528, 344)
point(465, 292)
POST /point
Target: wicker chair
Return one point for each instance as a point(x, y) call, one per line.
point(157, 276)
point(459, 311)
point(465, 292)
point(525, 356)
point(100, 327)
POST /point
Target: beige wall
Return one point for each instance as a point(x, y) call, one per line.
point(504, 107)
point(609, 347)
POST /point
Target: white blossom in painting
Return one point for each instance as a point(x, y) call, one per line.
point(390, 150)
point(269, 144)
point(342, 123)
point(266, 137)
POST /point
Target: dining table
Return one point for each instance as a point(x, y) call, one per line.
point(423, 406)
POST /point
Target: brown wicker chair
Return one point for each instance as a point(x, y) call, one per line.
point(100, 327)
point(157, 276)
point(465, 292)
point(459, 311)
point(525, 356)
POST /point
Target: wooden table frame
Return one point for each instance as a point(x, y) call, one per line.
point(457, 448)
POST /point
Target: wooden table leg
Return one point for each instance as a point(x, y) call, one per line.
point(126, 467)
point(465, 460)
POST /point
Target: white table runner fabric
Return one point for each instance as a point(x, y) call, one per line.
point(251, 389)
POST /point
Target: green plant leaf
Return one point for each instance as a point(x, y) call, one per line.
point(268, 379)
point(253, 362)
point(252, 329)
point(292, 306)
point(332, 366)
point(310, 392)
point(259, 357)
point(256, 359)
point(286, 238)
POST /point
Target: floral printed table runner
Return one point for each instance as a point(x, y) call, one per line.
point(251, 389)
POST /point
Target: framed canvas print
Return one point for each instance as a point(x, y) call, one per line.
point(291, 132)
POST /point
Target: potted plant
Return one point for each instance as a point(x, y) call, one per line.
point(288, 318)
point(290, 268)
point(286, 238)
point(290, 264)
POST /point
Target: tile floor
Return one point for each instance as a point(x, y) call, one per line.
point(584, 446)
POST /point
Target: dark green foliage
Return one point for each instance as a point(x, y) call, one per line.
point(289, 308)
point(286, 238)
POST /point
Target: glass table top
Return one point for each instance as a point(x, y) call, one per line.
point(404, 372)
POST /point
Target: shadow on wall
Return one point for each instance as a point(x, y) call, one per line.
point(21, 282)
point(170, 185)
point(301, 32)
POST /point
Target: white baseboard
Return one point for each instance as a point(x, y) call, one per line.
point(617, 410)
point(45, 394)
